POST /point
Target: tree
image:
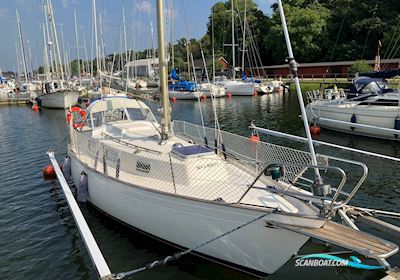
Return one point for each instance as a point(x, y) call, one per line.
point(360, 66)
point(307, 25)
point(40, 70)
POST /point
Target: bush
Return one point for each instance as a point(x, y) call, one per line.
point(360, 66)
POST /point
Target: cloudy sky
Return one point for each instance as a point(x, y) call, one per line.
point(139, 15)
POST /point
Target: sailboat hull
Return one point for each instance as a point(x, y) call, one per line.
point(240, 89)
point(187, 223)
point(60, 100)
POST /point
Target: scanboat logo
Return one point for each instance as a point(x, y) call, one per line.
point(330, 260)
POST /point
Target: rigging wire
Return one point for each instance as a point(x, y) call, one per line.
point(340, 31)
point(369, 30)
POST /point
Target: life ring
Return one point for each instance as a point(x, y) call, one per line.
point(79, 117)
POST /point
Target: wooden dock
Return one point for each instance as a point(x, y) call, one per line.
point(13, 101)
point(393, 274)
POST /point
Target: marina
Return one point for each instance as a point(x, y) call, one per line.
point(162, 164)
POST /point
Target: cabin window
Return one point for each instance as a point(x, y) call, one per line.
point(137, 114)
point(97, 119)
point(143, 166)
point(370, 88)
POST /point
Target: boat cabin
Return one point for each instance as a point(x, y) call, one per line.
point(53, 86)
point(368, 86)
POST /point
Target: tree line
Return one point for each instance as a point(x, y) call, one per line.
point(320, 30)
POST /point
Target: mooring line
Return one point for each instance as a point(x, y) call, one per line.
point(176, 256)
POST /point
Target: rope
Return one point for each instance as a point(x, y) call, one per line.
point(177, 255)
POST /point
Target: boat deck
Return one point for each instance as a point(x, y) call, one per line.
point(156, 167)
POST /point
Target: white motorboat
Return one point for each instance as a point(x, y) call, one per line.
point(236, 88)
point(263, 88)
point(183, 94)
point(208, 89)
point(370, 113)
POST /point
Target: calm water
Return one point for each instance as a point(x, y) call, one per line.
point(38, 237)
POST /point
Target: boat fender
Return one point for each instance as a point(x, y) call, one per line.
point(67, 168)
point(353, 120)
point(397, 123)
point(223, 150)
point(254, 138)
point(83, 189)
point(315, 130)
point(49, 172)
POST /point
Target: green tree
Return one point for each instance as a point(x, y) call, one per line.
point(40, 70)
point(307, 25)
point(360, 66)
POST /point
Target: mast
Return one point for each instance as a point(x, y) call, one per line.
point(18, 62)
point(56, 39)
point(87, 70)
point(233, 42)
point(172, 34)
point(187, 49)
point(46, 57)
point(212, 43)
point(77, 48)
point(64, 65)
point(244, 36)
point(95, 35)
point(125, 46)
point(102, 50)
point(49, 43)
point(21, 42)
point(162, 66)
point(293, 70)
point(30, 58)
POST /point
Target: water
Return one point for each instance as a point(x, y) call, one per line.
point(39, 239)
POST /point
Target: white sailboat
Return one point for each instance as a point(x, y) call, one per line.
point(234, 87)
point(165, 180)
point(56, 93)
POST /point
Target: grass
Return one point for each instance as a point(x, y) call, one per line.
point(313, 86)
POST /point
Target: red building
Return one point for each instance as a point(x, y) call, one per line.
point(339, 69)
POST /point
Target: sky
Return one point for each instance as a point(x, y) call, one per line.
point(140, 15)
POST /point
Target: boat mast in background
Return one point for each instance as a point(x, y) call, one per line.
point(77, 48)
point(95, 36)
point(233, 42)
point(21, 41)
point(244, 38)
point(165, 123)
point(293, 71)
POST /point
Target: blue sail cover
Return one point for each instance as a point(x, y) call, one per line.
point(382, 74)
point(174, 75)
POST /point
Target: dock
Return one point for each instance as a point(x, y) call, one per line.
point(13, 101)
point(393, 274)
point(93, 249)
